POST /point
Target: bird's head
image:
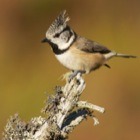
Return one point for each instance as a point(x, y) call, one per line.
point(59, 33)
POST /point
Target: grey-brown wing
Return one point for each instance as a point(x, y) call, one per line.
point(90, 46)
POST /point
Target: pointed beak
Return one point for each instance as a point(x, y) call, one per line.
point(44, 40)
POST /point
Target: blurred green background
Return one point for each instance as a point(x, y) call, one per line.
point(29, 70)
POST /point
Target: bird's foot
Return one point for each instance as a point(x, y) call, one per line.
point(72, 75)
point(69, 76)
point(75, 74)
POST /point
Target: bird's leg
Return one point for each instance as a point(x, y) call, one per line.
point(74, 74)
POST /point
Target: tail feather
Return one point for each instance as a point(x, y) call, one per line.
point(125, 55)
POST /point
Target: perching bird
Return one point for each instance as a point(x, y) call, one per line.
point(77, 53)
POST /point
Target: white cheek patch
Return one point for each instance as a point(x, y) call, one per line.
point(64, 45)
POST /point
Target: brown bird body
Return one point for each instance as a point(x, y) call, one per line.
point(75, 52)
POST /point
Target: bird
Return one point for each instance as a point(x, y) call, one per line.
point(77, 53)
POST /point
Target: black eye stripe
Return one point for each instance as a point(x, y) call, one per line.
point(58, 34)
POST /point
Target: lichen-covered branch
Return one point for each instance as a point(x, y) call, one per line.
point(64, 111)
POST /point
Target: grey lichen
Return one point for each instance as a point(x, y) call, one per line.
point(64, 111)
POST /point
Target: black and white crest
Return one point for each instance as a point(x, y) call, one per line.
point(59, 35)
point(58, 25)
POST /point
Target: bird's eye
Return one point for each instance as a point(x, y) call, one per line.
point(57, 35)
